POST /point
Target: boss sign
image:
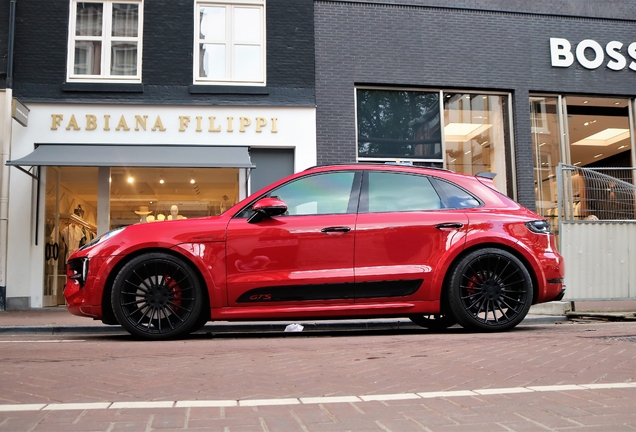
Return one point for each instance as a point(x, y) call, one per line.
point(561, 54)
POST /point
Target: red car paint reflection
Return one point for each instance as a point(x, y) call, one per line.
point(330, 242)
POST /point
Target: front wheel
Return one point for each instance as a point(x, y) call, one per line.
point(489, 290)
point(157, 296)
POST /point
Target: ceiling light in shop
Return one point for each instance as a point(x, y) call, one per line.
point(460, 132)
point(131, 180)
point(192, 181)
point(161, 181)
point(605, 137)
point(598, 155)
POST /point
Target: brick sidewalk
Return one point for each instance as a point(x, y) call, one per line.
point(544, 368)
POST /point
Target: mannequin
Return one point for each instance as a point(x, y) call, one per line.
point(225, 204)
point(174, 213)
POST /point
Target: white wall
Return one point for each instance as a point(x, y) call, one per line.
point(599, 260)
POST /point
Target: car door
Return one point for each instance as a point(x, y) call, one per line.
point(302, 257)
point(402, 232)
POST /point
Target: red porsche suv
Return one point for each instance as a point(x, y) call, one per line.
point(341, 241)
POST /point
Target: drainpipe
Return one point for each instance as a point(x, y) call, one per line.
point(6, 154)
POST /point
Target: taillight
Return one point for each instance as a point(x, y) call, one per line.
point(539, 226)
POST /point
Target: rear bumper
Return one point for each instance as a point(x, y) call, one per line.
point(560, 295)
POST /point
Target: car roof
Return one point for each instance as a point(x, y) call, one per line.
point(398, 167)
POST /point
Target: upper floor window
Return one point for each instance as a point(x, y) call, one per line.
point(105, 41)
point(230, 42)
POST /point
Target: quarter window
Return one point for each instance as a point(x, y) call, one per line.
point(105, 41)
point(230, 43)
point(394, 192)
point(455, 197)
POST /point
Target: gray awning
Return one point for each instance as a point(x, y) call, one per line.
point(160, 156)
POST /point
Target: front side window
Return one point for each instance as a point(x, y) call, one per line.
point(319, 194)
point(395, 192)
point(230, 43)
point(105, 41)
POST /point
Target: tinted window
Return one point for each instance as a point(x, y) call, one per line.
point(398, 124)
point(318, 194)
point(392, 192)
point(455, 197)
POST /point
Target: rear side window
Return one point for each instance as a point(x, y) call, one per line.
point(397, 192)
point(454, 197)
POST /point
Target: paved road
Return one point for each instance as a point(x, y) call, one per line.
point(565, 376)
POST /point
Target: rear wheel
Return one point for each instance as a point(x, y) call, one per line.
point(489, 290)
point(435, 322)
point(157, 296)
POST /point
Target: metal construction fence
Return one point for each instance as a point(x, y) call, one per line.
point(597, 231)
point(596, 193)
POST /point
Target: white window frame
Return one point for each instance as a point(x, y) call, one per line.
point(229, 43)
point(106, 39)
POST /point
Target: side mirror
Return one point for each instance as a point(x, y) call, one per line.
point(267, 207)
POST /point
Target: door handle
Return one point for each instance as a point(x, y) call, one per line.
point(342, 229)
point(455, 225)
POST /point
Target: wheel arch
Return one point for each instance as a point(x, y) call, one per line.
point(108, 316)
point(505, 247)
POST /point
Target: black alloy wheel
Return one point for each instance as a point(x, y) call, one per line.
point(157, 296)
point(435, 322)
point(489, 290)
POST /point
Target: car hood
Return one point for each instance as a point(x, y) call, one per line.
point(166, 234)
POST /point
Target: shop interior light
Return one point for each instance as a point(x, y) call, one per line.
point(460, 132)
point(161, 181)
point(131, 179)
point(605, 137)
point(192, 181)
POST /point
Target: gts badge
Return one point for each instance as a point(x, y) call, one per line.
point(260, 297)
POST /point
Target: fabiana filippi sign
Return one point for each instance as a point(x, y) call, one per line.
point(138, 122)
point(562, 56)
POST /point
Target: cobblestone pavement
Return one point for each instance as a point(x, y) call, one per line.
point(564, 376)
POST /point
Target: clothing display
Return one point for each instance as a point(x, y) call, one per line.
point(72, 236)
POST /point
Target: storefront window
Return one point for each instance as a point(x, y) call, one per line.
point(152, 194)
point(595, 133)
point(546, 154)
point(476, 135)
point(398, 125)
point(70, 221)
point(137, 195)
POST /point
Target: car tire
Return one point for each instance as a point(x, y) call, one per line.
point(489, 290)
point(157, 296)
point(435, 322)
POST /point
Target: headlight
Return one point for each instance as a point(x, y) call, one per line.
point(539, 226)
point(103, 237)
